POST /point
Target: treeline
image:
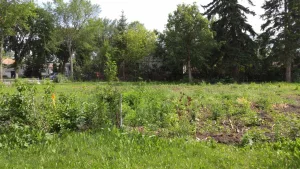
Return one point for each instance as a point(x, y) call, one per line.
point(217, 45)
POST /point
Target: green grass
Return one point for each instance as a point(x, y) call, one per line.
point(123, 150)
point(252, 119)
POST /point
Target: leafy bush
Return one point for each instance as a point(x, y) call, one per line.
point(107, 112)
point(18, 117)
point(60, 78)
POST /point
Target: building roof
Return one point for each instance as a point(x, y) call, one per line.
point(8, 61)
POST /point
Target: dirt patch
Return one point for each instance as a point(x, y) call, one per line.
point(265, 116)
point(176, 89)
point(232, 138)
point(289, 108)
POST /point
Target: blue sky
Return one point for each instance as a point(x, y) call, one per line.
point(154, 13)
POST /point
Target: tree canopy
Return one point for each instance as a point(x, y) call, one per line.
point(218, 45)
point(188, 38)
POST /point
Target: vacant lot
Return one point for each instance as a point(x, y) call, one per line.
point(163, 125)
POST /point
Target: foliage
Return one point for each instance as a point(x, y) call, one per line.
point(132, 43)
point(19, 126)
point(111, 69)
point(71, 19)
point(237, 51)
point(188, 39)
point(13, 14)
point(108, 107)
point(60, 78)
point(42, 26)
point(281, 29)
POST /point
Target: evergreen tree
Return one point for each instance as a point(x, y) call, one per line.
point(234, 33)
point(122, 23)
point(120, 43)
point(282, 19)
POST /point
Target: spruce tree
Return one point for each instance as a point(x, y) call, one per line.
point(282, 20)
point(234, 33)
point(120, 43)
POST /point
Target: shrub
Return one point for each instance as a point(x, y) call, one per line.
point(107, 110)
point(60, 78)
point(18, 117)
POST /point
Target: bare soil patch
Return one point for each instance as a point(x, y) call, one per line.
point(289, 108)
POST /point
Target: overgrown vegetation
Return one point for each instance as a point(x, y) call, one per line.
point(264, 117)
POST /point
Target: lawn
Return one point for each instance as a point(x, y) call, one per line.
point(74, 125)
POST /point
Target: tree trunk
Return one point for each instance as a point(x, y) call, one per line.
point(189, 67)
point(17, 73)
point(62, 67)
point(236, 73)
point(190, 71)
point(71, 53)
point(17, 66)
point(288, 72)
point(71, 65)
point(288, 66)
point(123, 70)
point(1, 66)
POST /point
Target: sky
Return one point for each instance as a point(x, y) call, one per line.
point(154, 13)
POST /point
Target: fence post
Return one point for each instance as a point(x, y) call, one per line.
point(121, 118)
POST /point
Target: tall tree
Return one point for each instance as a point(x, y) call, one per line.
point(188, 38)
point(12, 13)
point(120, 43)
point(71, 17)
point(140, 42)
point(39, 41)
point(282, 20)
point(233, 32)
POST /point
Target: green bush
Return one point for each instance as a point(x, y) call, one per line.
point(60, 78)
point(107, 110)
point(19, 117)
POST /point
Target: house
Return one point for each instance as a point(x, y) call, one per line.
point(8, 70)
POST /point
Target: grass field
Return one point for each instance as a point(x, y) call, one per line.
point(165, 126)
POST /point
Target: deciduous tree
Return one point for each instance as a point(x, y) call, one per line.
point(12, 13)
point(71, 18)
point(188, 38)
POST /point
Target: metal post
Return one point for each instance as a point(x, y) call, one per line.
point(121, 118)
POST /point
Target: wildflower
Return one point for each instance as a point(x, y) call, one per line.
point(53, 99)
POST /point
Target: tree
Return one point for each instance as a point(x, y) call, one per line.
point(282, 27)
point(71, 18)
point(110, 70)
point(188, 38)
point(132, 42)
point(232, 30)
point(12, 13)
point(39, 41)
point(30, 43)
point(120, 43)
point(140, 43)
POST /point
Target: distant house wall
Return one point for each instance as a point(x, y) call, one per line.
point(7, 72)
point(150, 62)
